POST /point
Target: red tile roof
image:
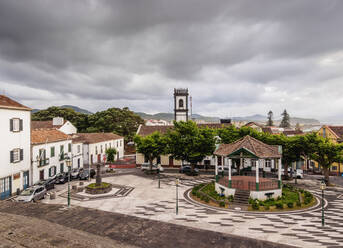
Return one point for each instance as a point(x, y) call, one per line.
point(41, 136)
point(338, 130)
point(44, 124)
point(8, 103)
point(146, 130)
point(256, 147)
point(91, 138)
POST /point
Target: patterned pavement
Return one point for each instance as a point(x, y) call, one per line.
point(305, 226)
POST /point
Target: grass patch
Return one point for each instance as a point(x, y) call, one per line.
point(207, 194)
point(103, 185)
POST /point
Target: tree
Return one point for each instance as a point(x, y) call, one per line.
point(270, 119)
point(285, 122)
point(110, 154)
point(326, 153)
point(188, 142)
point(151, 146)
point(297, 127)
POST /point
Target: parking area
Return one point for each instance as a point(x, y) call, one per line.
point(146, 200)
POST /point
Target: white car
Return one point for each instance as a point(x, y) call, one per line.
point(146, 166)
point(226, 170)
point(33, 193)
point(299, 173)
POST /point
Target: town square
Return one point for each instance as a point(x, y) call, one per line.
point(171, 124)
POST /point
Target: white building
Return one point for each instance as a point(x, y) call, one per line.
point(152, 122)
point(50, 147)
point(57, 123)
point(95, 145)
point(181, 104)
point(15, 120)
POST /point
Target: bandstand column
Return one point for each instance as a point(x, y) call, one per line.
point(257, 175)
point(230, 164)
point(216, 170)
point(273, 164)
point(279, 173)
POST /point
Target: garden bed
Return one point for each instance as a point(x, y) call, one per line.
point(95, 189)
point(206, 193)
point(292, 199)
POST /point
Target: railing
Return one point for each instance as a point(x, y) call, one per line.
point(249, 185)
point(43, 162)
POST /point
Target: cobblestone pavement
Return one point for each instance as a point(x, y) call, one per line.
point(22, 231)
point(302, 229)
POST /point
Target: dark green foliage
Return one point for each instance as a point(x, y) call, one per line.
point(285, 122)
point(222, 204)
point(120, 121)
point(230, 198)
point(290, 204)
point(279, 205)
point(270, 119)
point(266, 207)
point(298, 204)
point(110, 154)
point(255, 205)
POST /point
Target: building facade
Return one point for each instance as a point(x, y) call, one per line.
point(94, 146)
point(15, 156)
point(59, 123)
point(181, 104)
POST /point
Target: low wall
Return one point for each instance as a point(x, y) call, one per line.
point(261, 195)
point(227, 191)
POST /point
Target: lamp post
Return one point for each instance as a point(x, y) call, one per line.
point(177, 181)
point(68, 162)
point(323, 187)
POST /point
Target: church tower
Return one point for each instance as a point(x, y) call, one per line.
point(181, 104)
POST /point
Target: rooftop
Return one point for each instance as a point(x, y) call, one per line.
point(250, 144)
point(8, 103)
point(42, 136)
point(91, 138)
point(44, 124)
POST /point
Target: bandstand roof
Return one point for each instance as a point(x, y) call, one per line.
point(250, 147)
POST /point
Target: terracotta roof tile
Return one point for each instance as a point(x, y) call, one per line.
point(91, 138)
point(146, 130)
point(338, 130)
point(8, 103)
point(41, 136)
point(251, 144)
point(44, 124)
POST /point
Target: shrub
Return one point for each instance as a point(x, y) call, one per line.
point(221, 204)
point(207, 199)
point(279, 205)
point(230, 198)
point(307, 200)
point(266, 207)
point(251, 201)
point(198, 194)
point(255, 206)
point(290, 204)
point(298, 203)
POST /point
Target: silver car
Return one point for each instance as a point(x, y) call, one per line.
point(34, 193)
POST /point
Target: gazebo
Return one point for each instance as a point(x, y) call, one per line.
point(245, 151)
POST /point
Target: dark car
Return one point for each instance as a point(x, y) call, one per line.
point(75, 173)
point(62, 178)
point(85, 173)
point(48, 183)
point(188, 170)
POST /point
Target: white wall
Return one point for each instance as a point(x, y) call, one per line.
point(68, 128)
point(118, 144)
point(53, 161)
point(11, 140)
point(77, 154)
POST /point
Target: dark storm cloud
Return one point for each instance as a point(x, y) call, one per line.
point(241, 56)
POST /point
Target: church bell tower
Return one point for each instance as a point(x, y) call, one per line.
point(181, 104)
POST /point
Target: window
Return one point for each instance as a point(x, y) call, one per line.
point(16, 155)
point(268, 163)
point(105, 147)
point(52, 171)
point(42, 157)
point(16, 125)
point(78, 149)
point(110, 145)
point(78, 163)
point(334, 168)
point(101, 149)
point(117, 143)
point(61, 152)
point(181, 103)
point(69, 147)
point(52, 152)
point(96, 150)
point(121, 143)
point(158, 160)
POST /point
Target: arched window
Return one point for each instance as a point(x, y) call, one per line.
point(181, 103)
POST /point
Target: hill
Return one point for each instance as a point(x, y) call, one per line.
point(77, 109)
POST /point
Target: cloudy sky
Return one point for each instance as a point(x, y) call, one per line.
point(236, 57)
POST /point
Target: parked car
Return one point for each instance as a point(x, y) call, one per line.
point(146, 166)
point(187, 169)
point(299, 173)
point(75, 173)
point(33, 193)
point(62, 178)
point(226, 170)
point(48, 183)
point(85, 173)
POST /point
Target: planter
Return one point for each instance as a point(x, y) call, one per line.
point(101, 189)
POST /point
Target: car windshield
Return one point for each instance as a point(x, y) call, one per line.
point(27, 192)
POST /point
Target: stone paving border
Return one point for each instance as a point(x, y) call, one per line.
point(189, 199)
point(133, 230)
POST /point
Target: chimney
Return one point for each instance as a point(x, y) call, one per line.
point(57, 121)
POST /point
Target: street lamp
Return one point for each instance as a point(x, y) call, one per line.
point(177, 181)
point(159, 178)
point(68, 162)
point(323, 187)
